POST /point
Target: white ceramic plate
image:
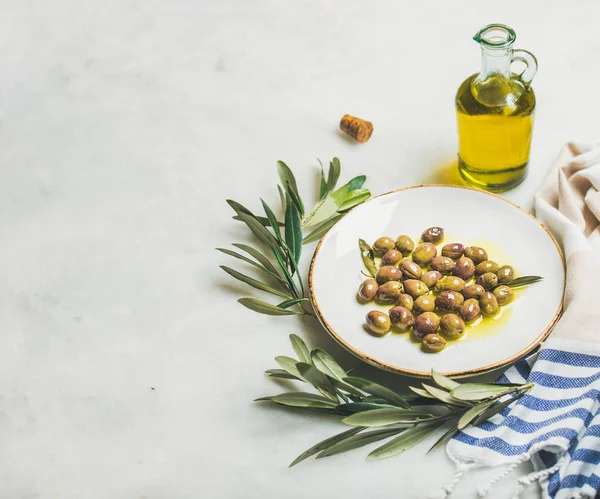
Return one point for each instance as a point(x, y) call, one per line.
point(471, 217)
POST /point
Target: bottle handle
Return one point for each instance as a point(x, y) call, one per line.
point(529, 59)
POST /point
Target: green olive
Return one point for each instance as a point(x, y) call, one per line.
point(464, 268)
point(391, 257)
point(449, 300)
point(487, 266)
point(453, 250)
point(450, 283)
point(388, 273)
point(433, 343)
point(433, 235)
point(424, 303)
point(406, 301)
point(452, 326)
point(415, 288)
point(425, 324)
point(424, 253)
point(410, 269)
point(504, 294)
point(431, 278)
point(476, 254)
point(442, 264)
point(487, 280)
point(367, 290)
point(402, 319)
point(389, 291)
point(470, 310)
point(505, 274)
point(473, 291)
point(378, 322)
point(405, 245)
point(383, 245)
point(488, 304)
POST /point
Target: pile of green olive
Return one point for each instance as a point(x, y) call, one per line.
point(433, 293)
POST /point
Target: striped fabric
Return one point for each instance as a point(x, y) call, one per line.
point(556, 425)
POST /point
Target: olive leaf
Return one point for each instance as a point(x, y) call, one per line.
point(334, 174)
point(301, 399)
point(421, 393)
point(443, 381)
point(327, 364)
point(253, 252)
point(300, 348)
point(479, 391)
point(472, 413)
point(322, 229)
point(292, 302)
point(316, 378)
point(524, 281)
point(262, 307)
point(368, 256)
point(353, 199)
point(293, 230)
point(263, 220)
point(495, 409)
point(325, 444)
point(359, 440)
point(407, 439)
point(281, 374)
point(383, 417)
point(444, 396)
point(453, 430)
point(289, 184)
point(272, 219)
point(376, 389)
point(253, 282)
point(289, 365)
point(354, 407)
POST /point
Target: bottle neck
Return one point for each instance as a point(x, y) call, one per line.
point(495, 62)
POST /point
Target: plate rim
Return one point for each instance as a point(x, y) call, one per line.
point(423, 374)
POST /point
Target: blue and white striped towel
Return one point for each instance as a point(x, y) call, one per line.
point(557, 424)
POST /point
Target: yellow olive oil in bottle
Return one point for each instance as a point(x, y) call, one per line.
point(494, 110)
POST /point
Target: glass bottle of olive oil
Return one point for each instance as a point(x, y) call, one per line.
point(495, 113)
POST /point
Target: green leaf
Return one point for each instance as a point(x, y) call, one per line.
point(479, 391)
point(300, 348)
point(284, 271)
point(334, 173)
point(235, 254)
point(303, 399)
point(444, 396)
point(453, 430)
point(356, 183)
point(253, 282)
point(375, 389)
point(524, 281)
point(290, 303)
point(322, 229)
point(257, 255)
point(240, 209)
point(404, 441)
point(322, 184)
point(353, 407)
point(289, 183)
point(293, 230)
point(289, 365)
point(281, 197)
point(272, 219)
point(263, 220)
point(368, 257)
point(422, 393)
point(472, 413)
point(355, 198)
point(260, 231)
point(443, 381)
point(281, 374)
point(327, 364)
point(495, 409)
point(360, 440)
point(262, 307)
point(325, 444)
point(316, 378)
point(383, 417)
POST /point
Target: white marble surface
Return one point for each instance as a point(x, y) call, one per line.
point(127, 370)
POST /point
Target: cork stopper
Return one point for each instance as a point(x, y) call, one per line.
point(357, 128)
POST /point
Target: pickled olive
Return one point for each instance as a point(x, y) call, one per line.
point(424, 303)
point(391, 257)
point(367, 290)
point(401, 318)
point(379, 323)
point(470, 310)
point(452, 326)
point(425, 324)
point(388, 273)
point(504, 294)
point(487, 280)
point(406, 301)
point(487, 266)
point(505, 274)
point(383, 245)
point(415, 288)
point(473, 291)
point(488, 304)
point(449, 300)
point(431, 278)
point(433, 235)
point(464, 268)
point(476, 254)
point(453, 250)
point(424, 253)
point(442, 264)
point(405, 245)
point(433, 343)
point(450, 283)
point(389, 292)
point(410, 269)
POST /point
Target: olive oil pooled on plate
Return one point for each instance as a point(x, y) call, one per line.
point(495, 114)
